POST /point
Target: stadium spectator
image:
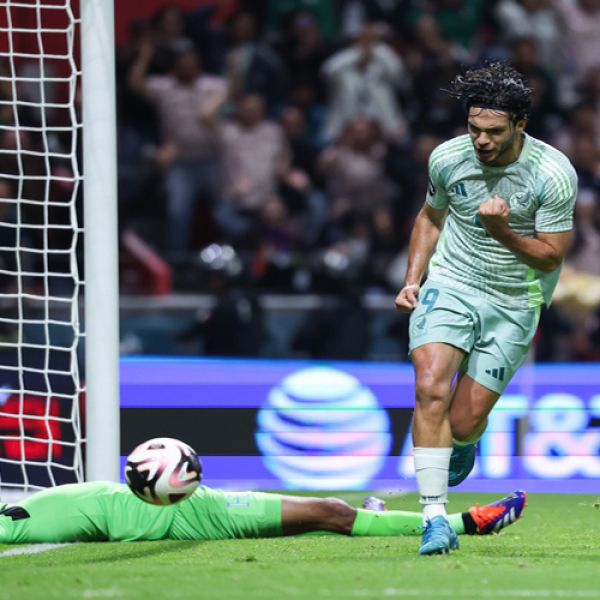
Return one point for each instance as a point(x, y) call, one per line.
point(580, 22)
point(21, 158)
point(187, 102)
point(300, 183)
point(6, 96)
point(535, 20)
point(585, 156)
point(589, 93)
point(304, 50)
point(134, 111)
point(407, 168)
point(303, 151)
point(432, 62)
point(363, 81)
point(584, 120)
point(204, 26)
point(314, 109)
point(167, 27)
point(36, 206)
point(255, 155)
point(584, 254)
point(353, 171)
point(402, 55)
point(280, 12)
point(279, 234)
point(577, 298)
point(354, 14)
point(459, 21)
point(545, 112)
point(220, 11)
point(11, 258)
point(252, 67)
point(139, 179)
point(8, 237)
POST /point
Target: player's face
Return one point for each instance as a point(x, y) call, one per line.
point(497, 140)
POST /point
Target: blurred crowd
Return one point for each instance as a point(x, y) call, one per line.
point(282, 145)
point(297, 132)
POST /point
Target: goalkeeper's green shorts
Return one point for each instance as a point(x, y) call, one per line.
point(496, 339)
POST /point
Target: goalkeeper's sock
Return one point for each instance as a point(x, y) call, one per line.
point(396, 522)
point(457, 522)
point(387, 523)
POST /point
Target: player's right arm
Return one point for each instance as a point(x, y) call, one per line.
point(423, 239)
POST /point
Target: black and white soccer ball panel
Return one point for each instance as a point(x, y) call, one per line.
point(163, 471)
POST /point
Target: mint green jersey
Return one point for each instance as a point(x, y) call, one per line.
point(540, 188)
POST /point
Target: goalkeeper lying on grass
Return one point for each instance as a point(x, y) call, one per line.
point(100, 511)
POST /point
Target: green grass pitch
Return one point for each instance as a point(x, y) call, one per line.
point(553, 552)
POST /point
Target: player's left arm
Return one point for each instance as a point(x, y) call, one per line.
point(544, 252)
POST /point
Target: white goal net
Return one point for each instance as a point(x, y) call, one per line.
point(40, 245)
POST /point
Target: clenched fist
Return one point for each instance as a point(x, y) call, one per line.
point(408, 298)
point(494, 214)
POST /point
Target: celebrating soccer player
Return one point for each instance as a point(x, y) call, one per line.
point(103, 511)
point(494, 230)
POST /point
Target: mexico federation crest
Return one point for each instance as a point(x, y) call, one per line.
point(520, 199)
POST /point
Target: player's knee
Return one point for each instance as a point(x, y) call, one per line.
point(432, 394)
point(337, 515)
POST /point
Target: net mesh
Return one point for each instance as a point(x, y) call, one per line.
point(40, 241)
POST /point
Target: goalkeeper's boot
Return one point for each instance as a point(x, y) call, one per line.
point(374, 504)
point(491, 518)
point(438, 537)
point(462, 460)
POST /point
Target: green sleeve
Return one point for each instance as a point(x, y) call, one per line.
point(86, 512)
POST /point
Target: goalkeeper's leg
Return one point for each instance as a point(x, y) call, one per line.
point(304, 515)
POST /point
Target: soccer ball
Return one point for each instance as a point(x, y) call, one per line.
point(163, 471)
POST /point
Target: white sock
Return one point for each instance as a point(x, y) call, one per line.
point(431, 466)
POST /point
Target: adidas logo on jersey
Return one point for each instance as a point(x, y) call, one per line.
point(496, 373)
point(460, 189)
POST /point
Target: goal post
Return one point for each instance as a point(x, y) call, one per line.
point(100, 239)
point(58, 226)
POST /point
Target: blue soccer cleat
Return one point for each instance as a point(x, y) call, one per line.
point(491, 518)
point(462, 460)
point(438, 537)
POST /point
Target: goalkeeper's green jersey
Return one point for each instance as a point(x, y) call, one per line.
point(103, 511)
point(540, 188)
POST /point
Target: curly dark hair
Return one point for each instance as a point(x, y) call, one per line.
point(498, 86)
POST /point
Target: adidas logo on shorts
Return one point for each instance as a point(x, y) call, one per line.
point(496, 373)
